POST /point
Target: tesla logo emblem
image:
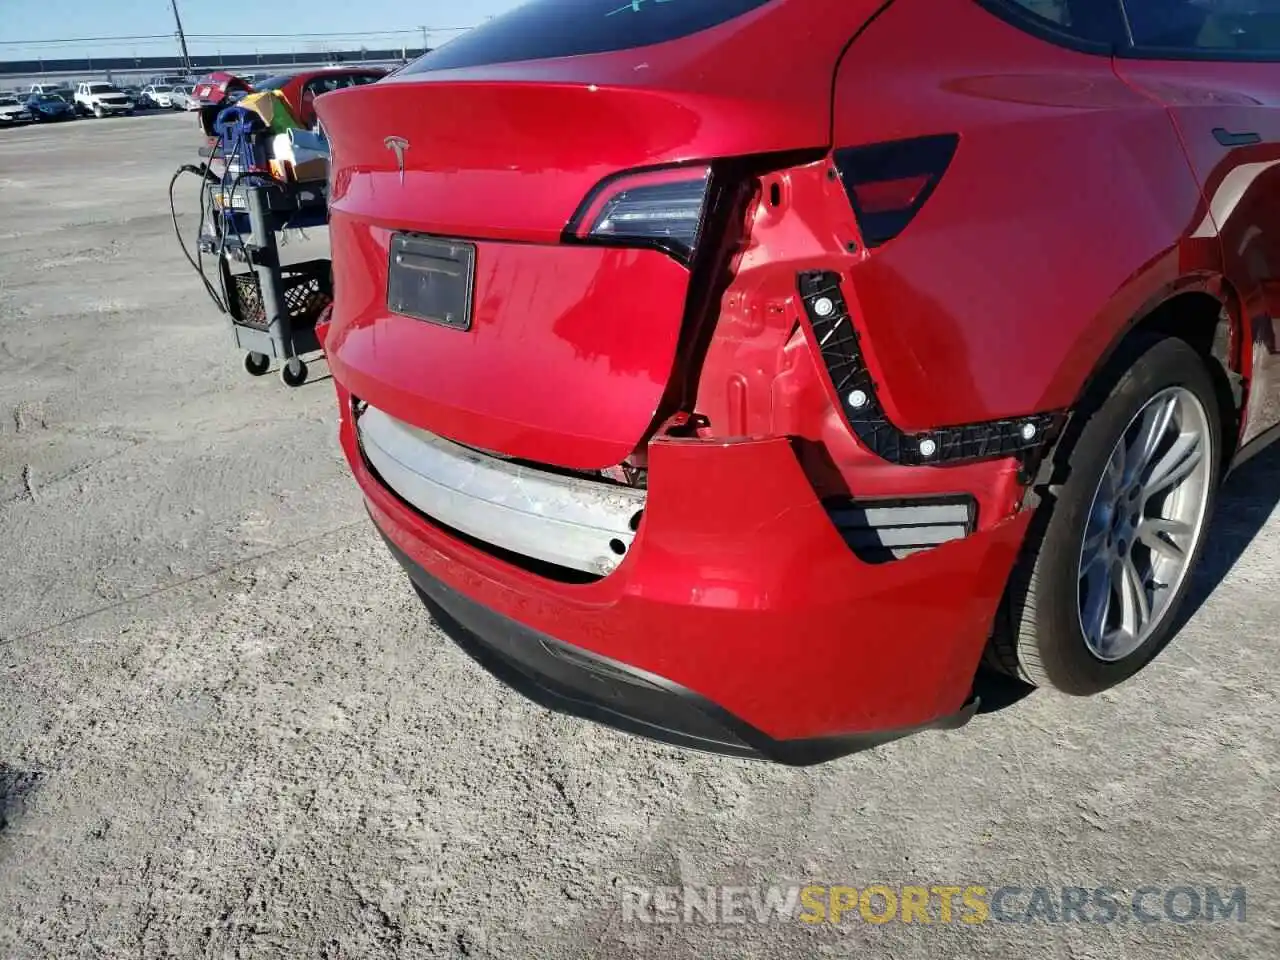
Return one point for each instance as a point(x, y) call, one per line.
point(397, 145)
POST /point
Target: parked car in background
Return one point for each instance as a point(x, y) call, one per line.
point(57, 89)
point(69, 98)
point(300, 90)
point(219, 86)
point(156, 96)
point(103, 99)
point(13, 112)
point(180, 98)
point(753, 399)
point(49, 107)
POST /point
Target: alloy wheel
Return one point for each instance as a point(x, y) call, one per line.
point(1146, 520)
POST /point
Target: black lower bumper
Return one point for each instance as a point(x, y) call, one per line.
point(573, 681)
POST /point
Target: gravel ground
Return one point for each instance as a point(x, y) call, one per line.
point(228, 729)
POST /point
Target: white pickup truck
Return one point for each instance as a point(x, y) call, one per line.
point(102, 99)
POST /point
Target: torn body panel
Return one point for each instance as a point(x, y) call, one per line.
point(763, 373)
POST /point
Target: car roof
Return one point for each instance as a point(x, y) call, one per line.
point(338, 68)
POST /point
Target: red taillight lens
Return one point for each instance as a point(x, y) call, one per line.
point(650, 208)
point(888, 183)
point(885, 196)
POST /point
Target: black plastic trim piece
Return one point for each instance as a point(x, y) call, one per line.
point(413, 254)
point(967, 500)
point(841, 353)
point(861, 537)
point(927, 156)
point(573, 681)
point(1212, 54)
point(1228, 138)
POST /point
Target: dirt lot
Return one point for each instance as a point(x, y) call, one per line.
point(227, 728)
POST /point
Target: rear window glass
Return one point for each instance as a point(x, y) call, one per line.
point(565, 28)
point(1205, 26)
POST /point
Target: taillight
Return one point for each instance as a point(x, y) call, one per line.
point(888, 183)
point(652, 208)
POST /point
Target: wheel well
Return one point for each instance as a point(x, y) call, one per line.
point(1205, 324)
point(1200, 320)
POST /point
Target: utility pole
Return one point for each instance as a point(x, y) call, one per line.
point(182, 38)
point(424, 38)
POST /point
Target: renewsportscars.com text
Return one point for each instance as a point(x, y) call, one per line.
point(937, 903)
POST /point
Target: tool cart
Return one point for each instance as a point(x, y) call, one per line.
point(248, 197)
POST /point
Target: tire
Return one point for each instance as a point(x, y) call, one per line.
point(98, 112)
point(1084, 527)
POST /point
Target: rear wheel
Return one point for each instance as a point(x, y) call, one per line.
point(1109, 559)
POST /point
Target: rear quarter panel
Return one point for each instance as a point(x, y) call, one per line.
point(1061, 218)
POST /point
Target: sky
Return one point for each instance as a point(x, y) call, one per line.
point(372, 23)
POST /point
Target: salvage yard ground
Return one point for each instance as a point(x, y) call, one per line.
point(228, 728)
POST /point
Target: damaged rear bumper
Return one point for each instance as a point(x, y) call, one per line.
point(740, 620)
point(574, 681)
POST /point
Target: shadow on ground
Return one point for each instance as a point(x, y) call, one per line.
point(15, 786)
point(1246, 502)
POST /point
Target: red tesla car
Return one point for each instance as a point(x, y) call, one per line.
point(742, 373)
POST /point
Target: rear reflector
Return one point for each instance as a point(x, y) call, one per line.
point(888, 183)
point(887, 196)
point(655, 208)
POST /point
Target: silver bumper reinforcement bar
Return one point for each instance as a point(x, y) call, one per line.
point(570, 521)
